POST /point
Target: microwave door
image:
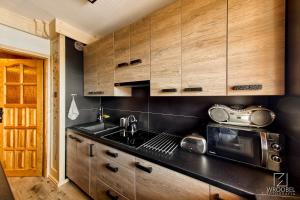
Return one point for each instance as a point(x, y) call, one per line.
point(238, 145)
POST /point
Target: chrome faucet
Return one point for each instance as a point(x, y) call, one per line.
point(100, 115)
point(131, 124)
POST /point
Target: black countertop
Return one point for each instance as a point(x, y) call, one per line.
point(234, 177)
point(5, 191)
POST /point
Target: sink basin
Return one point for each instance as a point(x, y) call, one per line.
point(97, 128)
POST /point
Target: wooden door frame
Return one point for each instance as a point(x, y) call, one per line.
point(47, 100)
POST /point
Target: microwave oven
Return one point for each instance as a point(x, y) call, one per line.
point(253, 146)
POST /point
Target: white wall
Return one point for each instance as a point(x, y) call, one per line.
point(10, 37)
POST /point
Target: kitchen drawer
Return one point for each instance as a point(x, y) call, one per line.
point(118, 177)
point(217, 193)
point(116, 156)
point(104, 192)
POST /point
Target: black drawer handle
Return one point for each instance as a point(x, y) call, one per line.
point(99, 92)
point(75, 138)
point(194, 89)
point(217, 197)
point(247, 87)
point(111, 154)
point(169, 90)
point(124, 64)
point(90, 92)
point(112, 197)
point(146, 169)
point(136, 62)
point(112, 168)
point(91, 150)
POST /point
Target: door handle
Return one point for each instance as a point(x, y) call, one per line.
point(169, 90)
point(248, 87)
point(91, 150)
point(1, 115)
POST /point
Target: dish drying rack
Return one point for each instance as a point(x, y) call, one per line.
point(163, 143)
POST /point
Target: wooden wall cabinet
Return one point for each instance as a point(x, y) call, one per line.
point(132, 52)
point(78, 160)
point(166, 51)
point(90, 60)
point(256, 47)
point(204, 47)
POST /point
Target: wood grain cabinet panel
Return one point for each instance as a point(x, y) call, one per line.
point(165, 184)
point(204, 25)
point(78, 160)
point(166, 51)
point(136, 38)
point(217, 193)
point(90, 69)
point(256, 47)
point(105, 66)
point(104, 192)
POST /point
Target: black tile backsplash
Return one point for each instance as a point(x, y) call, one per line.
point(87, 106)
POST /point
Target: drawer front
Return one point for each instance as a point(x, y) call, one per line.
point(118, 177)
point(104, 192)
point(217, 193)
point(117, 156)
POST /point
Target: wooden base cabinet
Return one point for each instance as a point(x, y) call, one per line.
point(79, 153)
point(155, 182)
point(219, 194)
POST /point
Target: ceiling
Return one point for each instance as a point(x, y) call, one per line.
point(98, 19)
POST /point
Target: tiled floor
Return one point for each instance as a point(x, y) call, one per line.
point(40, 188)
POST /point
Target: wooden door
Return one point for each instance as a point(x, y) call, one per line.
point(166, 51)
point(21, 98)
point(204, 35)
point(256, 47)
point(164, 184)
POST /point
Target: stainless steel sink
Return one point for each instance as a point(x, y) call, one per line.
point(97, 128)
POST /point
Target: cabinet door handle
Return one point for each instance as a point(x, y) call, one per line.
point(112, 168)
point(1, 115)
point(217, 197)
point(112, 197)
point(146, 169)
point(99, 92)
point(248, 87)
point(124, 64)
point(91, 92)
point(169, 90)
point(91, 150)
point(136, 62)
point(193, 89)
point(111, 154)
point(75, 138)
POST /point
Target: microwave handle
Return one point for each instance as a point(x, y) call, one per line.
point(264, 148)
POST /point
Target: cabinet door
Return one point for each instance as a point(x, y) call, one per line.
point(217, 193)
point(166, 51)
point(106, 66)
point(204, 25)
point(90, 67)
point(165, 184)
point(71, 155)
point(122, 52)
point(83, 164)
point(256, 47)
